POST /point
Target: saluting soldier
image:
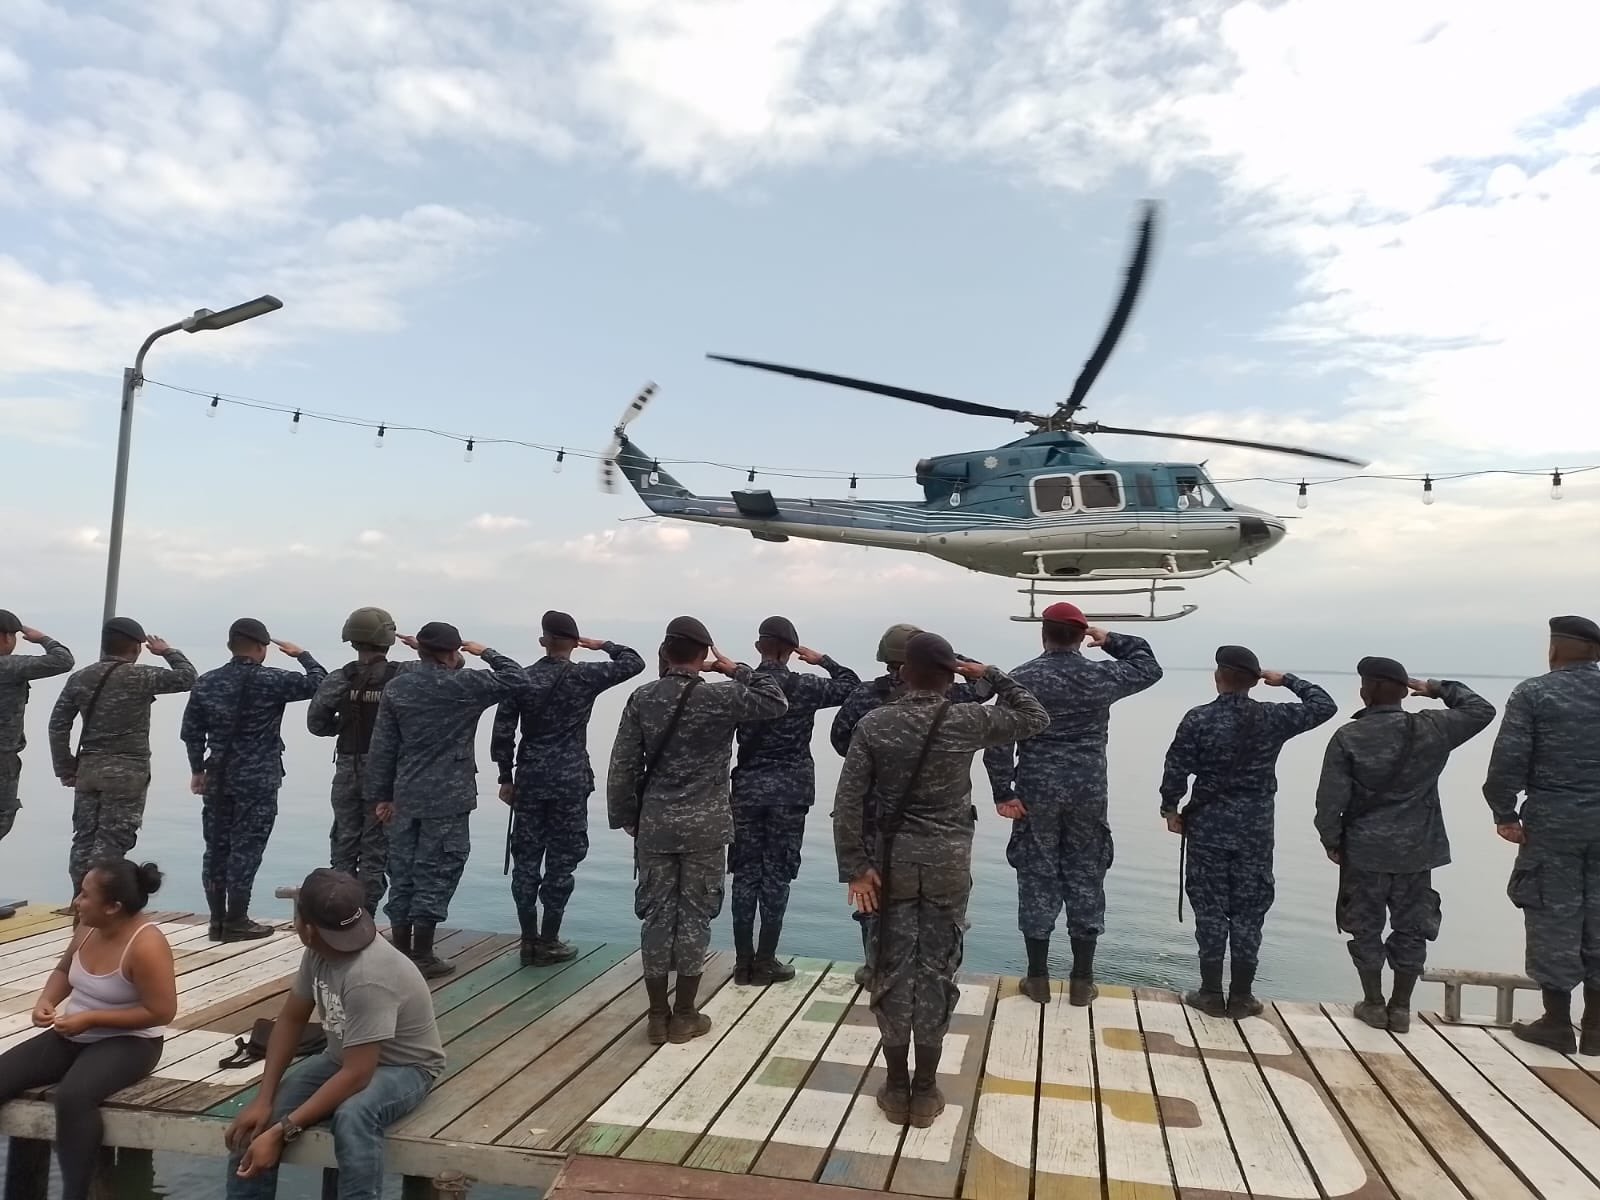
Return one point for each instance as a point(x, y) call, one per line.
point(16, 672)
point(346, 707)
point(1054, 790)
point(912, 759)
point(232, 728)
point(774, 787)
point(422, 779)
point(1230, 747)
point(668, 788)
point(1379, 819)
point(110, 770)
point(1548, 749)
point(548, 779)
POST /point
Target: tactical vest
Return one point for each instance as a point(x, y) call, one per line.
point(358, 712)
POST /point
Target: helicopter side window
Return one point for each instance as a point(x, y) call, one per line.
point(1100, 489)
point(1052, 494)
point(1197, 493)
point(1144, 486)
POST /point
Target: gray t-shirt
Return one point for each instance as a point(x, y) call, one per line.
point(377, 995)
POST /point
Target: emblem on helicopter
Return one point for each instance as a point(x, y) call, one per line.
point(1047, 509)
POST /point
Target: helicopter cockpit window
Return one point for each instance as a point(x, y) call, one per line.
point(1197, 493)
point(1100, 489)
point(1052, 493)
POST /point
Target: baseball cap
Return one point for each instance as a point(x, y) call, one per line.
point(334, 904)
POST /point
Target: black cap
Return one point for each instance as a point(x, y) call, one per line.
point(779, 629)
point(1382, 668)
point(559, 625)
point(690, 629)
point(251, 630)
point(334, 904)
point(439, 635)
point(9, 622)
point(1238, 658)
point(1580, 629)
point(930, 650)
point(125, 627)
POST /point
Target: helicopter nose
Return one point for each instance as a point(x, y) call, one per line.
point(1259, 532)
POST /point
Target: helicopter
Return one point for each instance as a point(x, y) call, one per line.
point(1047, 509)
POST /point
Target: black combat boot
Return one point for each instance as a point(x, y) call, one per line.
point(550, 949)
point(429, 963)
point(894, 1097)
point(1208, 998)
point(868, 954)
point(1400, 1001)
point(766, 968)
point(218, 904)
point(529, 921)
point(1372, 1009)
point(655, 1026)
point(1081, 989)
point(744, 951)
point(1242, 1002)
point(1589, 1036)
point(1036, 983)
point(927, 1101)
point(400, 938)
point(687, 1022)
point(237, 925)
point(1553, 1030)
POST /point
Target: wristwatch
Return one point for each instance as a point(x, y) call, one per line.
point(290, 1130)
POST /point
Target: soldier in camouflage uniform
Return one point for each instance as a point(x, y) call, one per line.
point(346, 707)
point(16, 671)
point(110, 770)
point(1231, 748)
point(774, 787)
point(912, 759)
point(1054, 790)
point(422, 779)
point(1379, 819)
point(232, 730)
point(1548, 748)
point(668, 788)
point(548, 780)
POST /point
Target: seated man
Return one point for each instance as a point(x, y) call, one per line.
point(383, 1049)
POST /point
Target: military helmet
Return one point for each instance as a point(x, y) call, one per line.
point(369, 627)
point(892, 645)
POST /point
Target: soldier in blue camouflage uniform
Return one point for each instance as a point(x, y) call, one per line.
point(110, 770)
point(1379, 819)
point(668, 788)
point(16, 672)
point(232, 728)
point(1548, 749)
point(912, 760)
point(346, 707)
point(548, 780)
point(1231, 748)
point(1054, 789)
point(422, 779)
point(774, 787)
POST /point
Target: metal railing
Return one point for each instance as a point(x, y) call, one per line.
point(1505, 987)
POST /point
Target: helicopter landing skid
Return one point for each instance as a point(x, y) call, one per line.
point(1152, 582)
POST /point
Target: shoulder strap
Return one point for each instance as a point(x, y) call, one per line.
point(94, 699)
point(666, 736)
point(892, 821)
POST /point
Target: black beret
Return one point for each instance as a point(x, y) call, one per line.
point(125, 627)
point(930, 650)
point(559, 625)
point(439, 635)
point(9, 622)
point(690, 629)
point(250, 629)
point(1382, 668)
point(780, 629)
point(1580, 629)
point(1238, 658)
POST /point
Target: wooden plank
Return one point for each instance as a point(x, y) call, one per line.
point(1066, 1163)
point(26, 967)
point(1000, 1161)
point(34, 918)
point(1136, 1166)
point(1559, 1072)
point(864, 1153)
point(611, 1177)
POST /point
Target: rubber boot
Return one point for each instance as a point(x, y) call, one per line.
point(1400, 1001)
point(1553, 1030)
point(1589, 1036)
point(1372, 1009)
point(529, 921)
point(1036, 983)
point(400, 936)
point(1242, 1002)
point(549, 948)
point(219, 913)
point(429, 963)
point(237, 925)
point(744, 951)
point(894, 1097)
point(766, 968)
point(1208, 997)
point(1081, 989)
point(864, 971)
point(688, 1022)
point(655, 1025)
point(927, 1101)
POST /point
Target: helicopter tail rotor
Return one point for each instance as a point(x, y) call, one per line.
point(608, 461)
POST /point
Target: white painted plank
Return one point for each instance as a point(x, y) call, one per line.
point(1069, 1133)
point(28, 971)
point(865, 1131)
point(1003, 1122)
point(1136, 1151)
point(1202, 1157)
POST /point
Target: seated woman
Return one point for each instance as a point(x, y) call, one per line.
point(102, 1011)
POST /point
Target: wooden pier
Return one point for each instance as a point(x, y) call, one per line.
point(1137, 1098)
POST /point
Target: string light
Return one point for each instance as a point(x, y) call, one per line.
point(1555, 486)
point(467, 455)
point(561, 457)
point(1302, 500)
point(751, 478)
point(212, 411)
point(852, 492)
point(1427, 489)
point(378, 441)
point(655, 472)
point(294, 425)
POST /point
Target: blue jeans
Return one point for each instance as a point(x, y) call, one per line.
point(358, 1126)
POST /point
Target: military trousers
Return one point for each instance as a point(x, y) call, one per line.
point(1413, 917)
point(236, 821)
point(107, 810)
point(676, 899)
point(358, 843)
point(1556, 884)
point(765, 859)
point(1230, 892)
point(921, 933)
point(426, 858)
point(1061, 852)
point(549, 840)
point(10, 783)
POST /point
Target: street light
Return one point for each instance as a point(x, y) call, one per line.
point(202, 321)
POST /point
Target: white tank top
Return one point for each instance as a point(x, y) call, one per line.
point(96, 993)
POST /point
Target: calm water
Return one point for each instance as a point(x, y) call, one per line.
point(1303, 956)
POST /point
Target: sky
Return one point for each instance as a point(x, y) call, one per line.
point(501, 219)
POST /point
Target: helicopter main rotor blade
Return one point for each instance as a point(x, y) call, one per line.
point(1273, 447)
point(1138, 263)
point(932, 400)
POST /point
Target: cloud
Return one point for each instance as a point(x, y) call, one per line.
point(490, 523)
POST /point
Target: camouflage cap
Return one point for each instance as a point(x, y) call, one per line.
point(892, 645)
point(9, 622)
point(369, 627)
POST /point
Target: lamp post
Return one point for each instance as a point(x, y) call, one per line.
point(202, 320)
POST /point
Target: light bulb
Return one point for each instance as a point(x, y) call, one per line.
point(655, 473)
point(212, 411)
point(561, 457)
point(1427, 490)
point(294, 425)
point(751, 478)
point(852, 487)
point(377, 442)
point(1555, 486)
point(1302, 499)
point(467, 454)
